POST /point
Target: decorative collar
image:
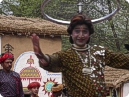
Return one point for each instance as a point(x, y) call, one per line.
point(77, 48)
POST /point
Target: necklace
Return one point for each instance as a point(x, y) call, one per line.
point(86, 69)
point(81, 49)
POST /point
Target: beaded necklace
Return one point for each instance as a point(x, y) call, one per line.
point(86, 69)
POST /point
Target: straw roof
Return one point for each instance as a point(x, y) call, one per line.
point(115, 77)
point(26, 26)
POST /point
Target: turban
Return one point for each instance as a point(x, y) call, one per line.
point(57, 87)
point(33, 85)
point(5, 56)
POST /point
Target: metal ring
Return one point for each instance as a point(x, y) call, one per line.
point(94, 21)
point(87, 2)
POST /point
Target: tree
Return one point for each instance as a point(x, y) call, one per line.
point(22, 7)
point(112, 33)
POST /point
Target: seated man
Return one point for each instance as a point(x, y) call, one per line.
point(34, 89)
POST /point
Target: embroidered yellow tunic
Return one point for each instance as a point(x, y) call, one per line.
point(69, 63)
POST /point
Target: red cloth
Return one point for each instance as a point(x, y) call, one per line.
point(5, 56)
point(33, 84)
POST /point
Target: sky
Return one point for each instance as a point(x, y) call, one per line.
point(127, 0)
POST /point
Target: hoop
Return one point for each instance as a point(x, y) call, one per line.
point(88, 2)
point(94, 21)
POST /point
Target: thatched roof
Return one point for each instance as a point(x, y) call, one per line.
point(115, 77)
point(26, 26)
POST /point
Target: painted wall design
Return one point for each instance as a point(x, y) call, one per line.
point(28, 67)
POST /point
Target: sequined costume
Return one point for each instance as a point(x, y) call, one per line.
point(92, 85)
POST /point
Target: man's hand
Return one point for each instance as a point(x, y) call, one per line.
point(36, 46)
point(42, 58)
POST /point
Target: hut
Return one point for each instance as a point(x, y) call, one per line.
point(16, 32)
point(117, 81)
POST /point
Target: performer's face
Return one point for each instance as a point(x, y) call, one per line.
point(35, 90)
point(80, 35)
point(7, 65)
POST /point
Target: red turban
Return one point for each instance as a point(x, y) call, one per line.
point(33, 85)
point(5, 56)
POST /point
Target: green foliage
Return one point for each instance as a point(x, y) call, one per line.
point(65, 42)
point(61, 9)
point(23, 7)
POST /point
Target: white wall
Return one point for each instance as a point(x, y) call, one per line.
point(125, 89)
point(29, 60)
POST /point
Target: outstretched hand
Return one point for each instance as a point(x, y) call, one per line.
point(36, 46)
